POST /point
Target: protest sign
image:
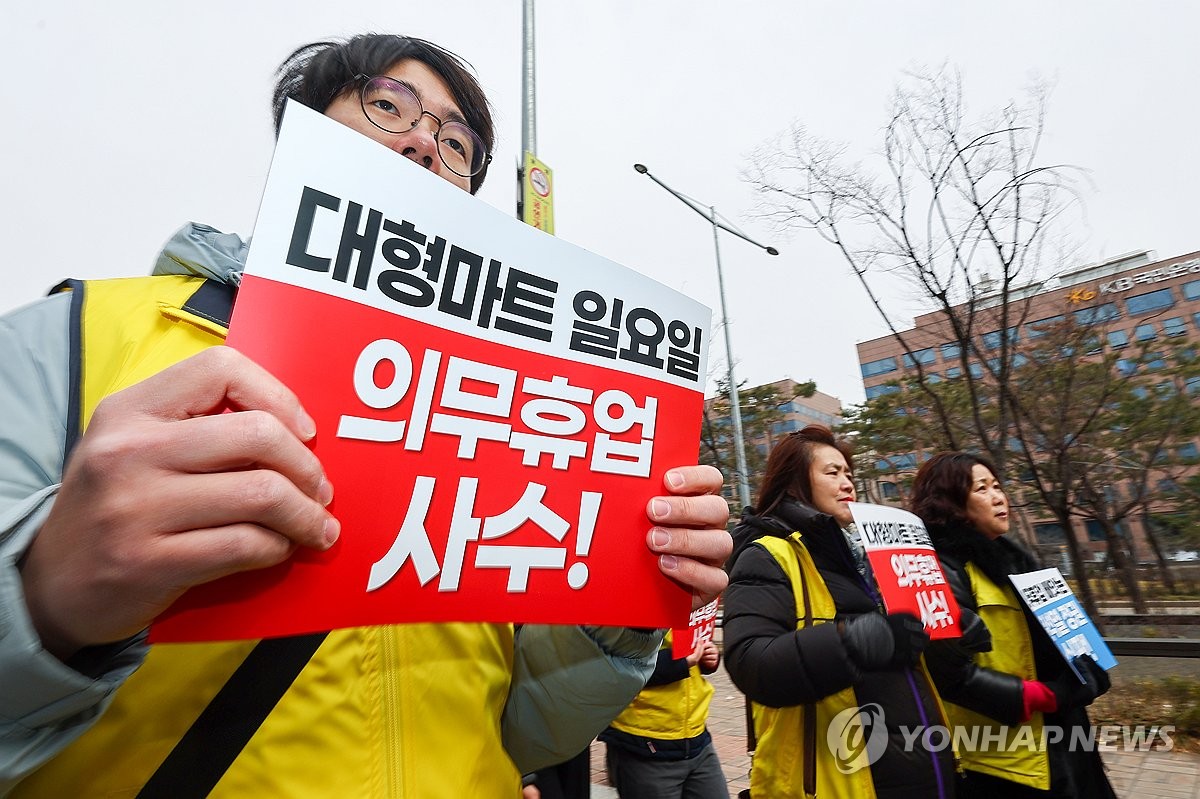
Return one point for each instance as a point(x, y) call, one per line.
point(495, 406)
point(702, 625)
point(1058, 611)
point(906, 568)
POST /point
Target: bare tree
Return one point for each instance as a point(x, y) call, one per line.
point(959, 210)
point(967, 216)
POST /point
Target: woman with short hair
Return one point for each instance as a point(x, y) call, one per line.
point(1023, 687)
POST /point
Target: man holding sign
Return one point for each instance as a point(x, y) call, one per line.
point(1021, 706)
point(189, 462)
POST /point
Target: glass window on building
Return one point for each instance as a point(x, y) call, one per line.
point(882, 366)
point(879, 391)
point(1175, 326)
point(1095, 531)
point(1041, 327)
point(1150, 301)
point(1144, 332)
point(1126, 367)
point(889, 490)
point(953, 349)
point(1096, 314)
point(1193, 385)
point(897, 463)
point(1155, 361)
point(992, 340)
point(1049, 533)
point(976, 371)
point(785, 427)
point(953, 372)
point(1191, 291)
point(1196, 319)
point(932, 377)
point(925, 356)
point(1118, 339)
point(1188, 451)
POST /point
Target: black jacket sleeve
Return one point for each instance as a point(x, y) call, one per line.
point(668, 669)
point(769, 660)
point(959, 678)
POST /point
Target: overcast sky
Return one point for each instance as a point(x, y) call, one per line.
point(122, 120)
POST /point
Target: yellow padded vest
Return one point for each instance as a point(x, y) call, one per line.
point(779, 769)
point(672, 712)
point(401, 711)
point(1019, 759)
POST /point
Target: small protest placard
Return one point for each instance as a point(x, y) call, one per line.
point(495, 407)
point(1052, 601)
point(702, 625)
point(906, 567)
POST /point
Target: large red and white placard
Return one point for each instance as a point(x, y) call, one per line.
point(495, 407)
point(906, 568)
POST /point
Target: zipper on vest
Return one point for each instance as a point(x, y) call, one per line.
point(390, 663)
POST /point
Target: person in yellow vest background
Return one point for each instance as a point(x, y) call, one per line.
point(138, 458)
point(1022, 688)
point(660, 747)
point(832, 677)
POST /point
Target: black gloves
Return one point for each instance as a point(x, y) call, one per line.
point(1071, 693)
point(876, 642)
point(975, 635)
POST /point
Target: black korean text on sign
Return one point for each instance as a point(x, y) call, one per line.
point(603, 328)
point(424, 271)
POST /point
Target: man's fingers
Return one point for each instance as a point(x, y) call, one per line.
point(244, 440)
point(707, 546)
point(693, 480)
point(200, 556)
point(259, 497)
point(212, 380)
point(689, 511)
point(693, 558)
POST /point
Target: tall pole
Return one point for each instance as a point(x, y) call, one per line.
point(739, 443)
point(528, 83)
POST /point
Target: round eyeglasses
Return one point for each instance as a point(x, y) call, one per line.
point(393, 107)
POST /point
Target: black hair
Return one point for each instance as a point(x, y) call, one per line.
point(790, 464)
point(318, 73)
point(941, 488)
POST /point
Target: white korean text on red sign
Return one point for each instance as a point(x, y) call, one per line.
point(906, 568)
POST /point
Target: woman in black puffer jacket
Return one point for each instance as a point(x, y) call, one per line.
point(1022, 691)
point(808, 642)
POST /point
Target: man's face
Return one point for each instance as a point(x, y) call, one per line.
point(418, 144)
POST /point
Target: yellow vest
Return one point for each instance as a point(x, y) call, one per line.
point(672, 712)
point(779, 768)
point(1015, 753)
point(402, 711)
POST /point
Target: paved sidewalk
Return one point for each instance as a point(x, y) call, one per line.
point(1135, 775)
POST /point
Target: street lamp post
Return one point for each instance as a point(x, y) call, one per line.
point(739, 444)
